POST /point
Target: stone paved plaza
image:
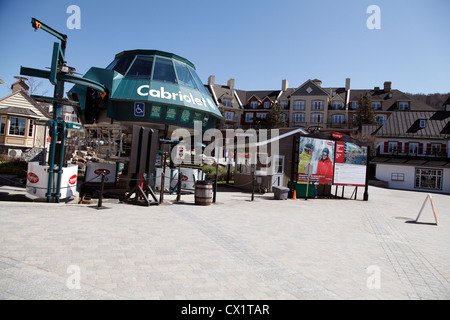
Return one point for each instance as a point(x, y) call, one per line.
point(234, 249)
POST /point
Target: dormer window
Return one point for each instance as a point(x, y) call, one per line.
point(376, 105)
point(403, 106)
point(422, 123)
point(253, 104)
point(266, 104)
point(226, 102)
point(336, 105)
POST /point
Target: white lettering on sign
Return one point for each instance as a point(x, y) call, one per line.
point(32, 177)
point(73, 179)
point(145, 90)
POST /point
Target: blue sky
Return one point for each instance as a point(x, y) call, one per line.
point(257, 42)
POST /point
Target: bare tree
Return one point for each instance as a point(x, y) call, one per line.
point(35, 86)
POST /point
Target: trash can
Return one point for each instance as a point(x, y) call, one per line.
point(280, 193)
point(203, 192)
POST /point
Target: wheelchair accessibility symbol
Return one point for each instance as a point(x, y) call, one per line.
point(139, 109)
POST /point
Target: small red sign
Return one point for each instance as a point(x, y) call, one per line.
point(337, 135)
point(73, 179)
point(32, 177)
point(340, 152)
point(101, 171)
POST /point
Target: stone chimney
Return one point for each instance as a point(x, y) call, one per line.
point(284, 85)
point(230, 84)
point(387, 86)
point(211, 80)
point(20, 85)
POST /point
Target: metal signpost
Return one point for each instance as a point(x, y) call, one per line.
point(308, 171)
point(58, 74)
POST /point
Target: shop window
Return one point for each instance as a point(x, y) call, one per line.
point(3, 125)
point(262, 161)
point(184, 76)
point(428, 179)
point(198, 82)
point(243, 165)
point(30, 128)
point(397, 176)
point(141, 68)
point(121, 65)
point(17, 126)
point(164, 70)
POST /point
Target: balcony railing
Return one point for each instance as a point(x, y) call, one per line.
point(323, 124)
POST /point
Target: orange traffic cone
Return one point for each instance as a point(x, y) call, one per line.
point(295, 195)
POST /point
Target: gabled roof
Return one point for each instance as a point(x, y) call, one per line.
point(309, 88)
point(22, 100)
point(261, 95)
point(19, 111)
point(219, 93)
point(406, 124)
point(337, 93)
point(389, 99)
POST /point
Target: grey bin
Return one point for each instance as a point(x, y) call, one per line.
point(280, 193)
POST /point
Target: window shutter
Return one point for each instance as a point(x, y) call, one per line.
point(420, 148)
point(428, 149)
point(386, 147)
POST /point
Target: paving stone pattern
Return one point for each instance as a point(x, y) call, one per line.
point(235, 249)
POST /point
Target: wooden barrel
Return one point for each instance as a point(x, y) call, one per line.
point(203, 193)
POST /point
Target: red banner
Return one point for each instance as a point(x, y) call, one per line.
point(340, 151)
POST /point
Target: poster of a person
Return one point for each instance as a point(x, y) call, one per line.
point(319, 154)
